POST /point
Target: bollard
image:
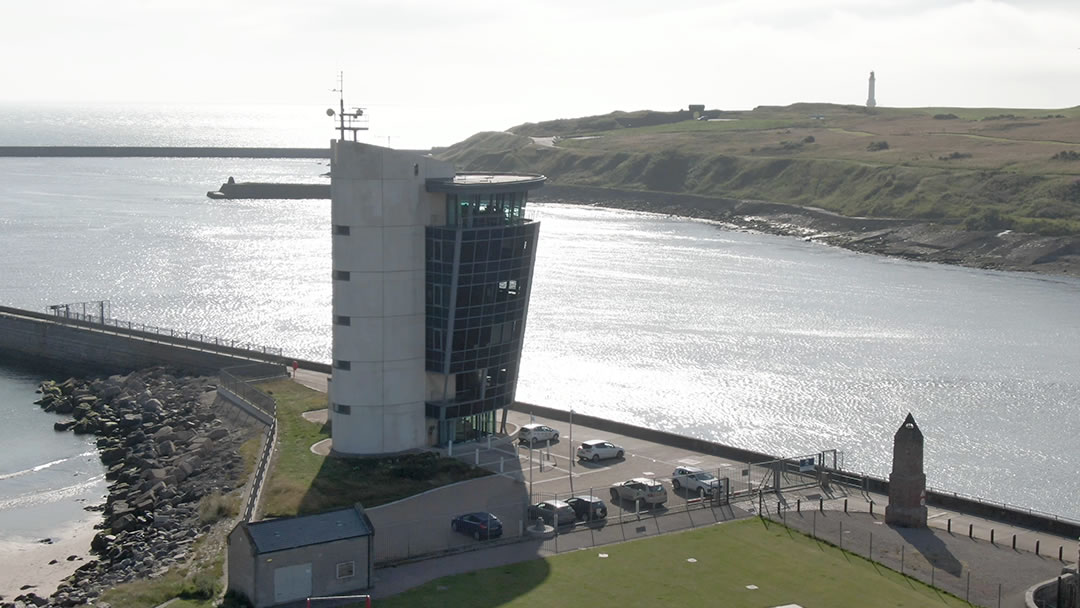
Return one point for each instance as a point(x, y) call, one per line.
point(901, 559)
point(1014, 542)
point(450, 448)
point(1037, 547)
point(489, 442)
point(991, 536)
point(971, 530)
point(948, 526)
point(501, 464)
point(871, 508)
point(477, 457)
point(845, 505)
point(821, 504)
point(778, 507)
point(798, 505)
point(1061, 553)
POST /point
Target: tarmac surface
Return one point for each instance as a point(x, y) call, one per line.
point(955, 553)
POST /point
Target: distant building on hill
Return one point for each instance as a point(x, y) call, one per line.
point(870, 101)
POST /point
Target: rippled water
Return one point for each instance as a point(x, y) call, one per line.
point(763, 342)
point(46, 478)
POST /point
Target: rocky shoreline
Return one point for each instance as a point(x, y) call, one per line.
point(169, 453)
point(903, 238)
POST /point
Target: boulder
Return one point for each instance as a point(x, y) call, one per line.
point(63, 425)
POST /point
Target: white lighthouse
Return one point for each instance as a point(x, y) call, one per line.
point(870, 102)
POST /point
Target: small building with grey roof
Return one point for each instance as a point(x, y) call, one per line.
point(278, 561)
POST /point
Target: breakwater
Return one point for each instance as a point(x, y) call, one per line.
point(85, 345)
point(160, 152)
point(234, 189)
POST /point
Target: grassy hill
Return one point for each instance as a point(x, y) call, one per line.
point(983, 168)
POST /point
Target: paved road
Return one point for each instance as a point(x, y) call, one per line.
point(421, 524)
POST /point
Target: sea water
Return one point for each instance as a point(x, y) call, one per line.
point(767, 343)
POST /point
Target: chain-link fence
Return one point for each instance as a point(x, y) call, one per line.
point(624, 520)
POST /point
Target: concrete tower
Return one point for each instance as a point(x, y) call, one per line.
point(432, 276)
point(870, 101)
point(907, 482)
point(379, 209)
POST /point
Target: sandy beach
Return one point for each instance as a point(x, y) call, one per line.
point(26, 561)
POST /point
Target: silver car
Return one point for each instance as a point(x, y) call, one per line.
point(598, 449)
point(649, 491)
point(537, 433)
point(696, 481)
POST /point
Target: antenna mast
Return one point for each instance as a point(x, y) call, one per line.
point(348, 121)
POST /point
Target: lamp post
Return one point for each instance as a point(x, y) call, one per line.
point(573, 461)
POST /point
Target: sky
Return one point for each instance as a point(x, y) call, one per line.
point(431, 73)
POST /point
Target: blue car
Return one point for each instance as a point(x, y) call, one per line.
point(479, 525)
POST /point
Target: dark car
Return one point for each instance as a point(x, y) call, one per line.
point(588, 508)
point(479, 525)
point(552, 511)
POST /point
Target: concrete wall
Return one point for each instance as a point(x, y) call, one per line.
point(241, 561)
point(75, 347)
point(323, 559)
point(379, 196)
point(662, 437)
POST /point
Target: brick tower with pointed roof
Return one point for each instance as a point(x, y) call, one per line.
point(907, 482)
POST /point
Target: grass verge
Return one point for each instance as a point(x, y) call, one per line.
point(786, 566)
point(304, 482)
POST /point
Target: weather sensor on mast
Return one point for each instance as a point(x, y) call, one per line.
point(348, 121)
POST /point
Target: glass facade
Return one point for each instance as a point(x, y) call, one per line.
point(479, 266)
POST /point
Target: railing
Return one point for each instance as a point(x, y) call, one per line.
point(253, 396)
point(236, 380)
point(260, 472)
point(175, 334)
point(1002, 505)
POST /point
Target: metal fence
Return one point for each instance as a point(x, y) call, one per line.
point(63, 314)
point(433, 534)
point(237, 381)
point(240, 387)
point(920, 554)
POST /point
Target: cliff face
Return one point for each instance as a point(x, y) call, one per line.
point(987, 199)
point(982, 188)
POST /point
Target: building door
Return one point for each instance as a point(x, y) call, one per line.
point(292, 583)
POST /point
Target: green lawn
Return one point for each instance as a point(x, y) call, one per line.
point(787, 567)
point(303, 482)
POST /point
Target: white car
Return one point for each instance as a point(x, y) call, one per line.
point(597, 449)
point(537, 433)
point(697, 481)
point(649, 491)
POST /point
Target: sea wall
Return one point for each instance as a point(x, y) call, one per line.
point(1007, 514)
point(29, 336)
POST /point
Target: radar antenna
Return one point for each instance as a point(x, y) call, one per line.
point(347, 121)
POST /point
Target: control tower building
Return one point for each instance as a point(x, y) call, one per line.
point(432, 271)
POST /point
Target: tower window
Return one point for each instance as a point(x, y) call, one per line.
point(341, 275)
point(341, 320)
point(343, 409)
point(343, 364)
point(342, 230)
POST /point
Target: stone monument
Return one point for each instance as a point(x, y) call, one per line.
point(870, 101)
point(907, 482)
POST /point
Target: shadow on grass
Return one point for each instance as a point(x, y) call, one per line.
point(489, 588)
point(341, 482)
